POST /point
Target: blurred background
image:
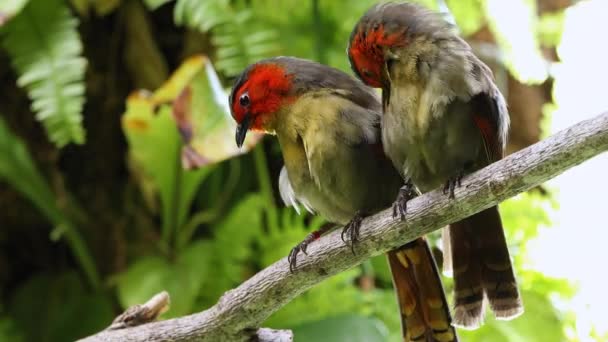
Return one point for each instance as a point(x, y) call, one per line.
point(104, 102)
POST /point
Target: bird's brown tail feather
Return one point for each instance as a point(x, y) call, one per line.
point(482, 268)
point(425, 314)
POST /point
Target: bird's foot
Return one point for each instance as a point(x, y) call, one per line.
point(406, 193)
point(301, 247)
point(452, 183)
point(352, 230)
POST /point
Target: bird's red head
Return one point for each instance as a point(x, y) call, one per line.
point(257, 95)
point(366, 51)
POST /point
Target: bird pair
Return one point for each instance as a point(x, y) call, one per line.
point(348, 154)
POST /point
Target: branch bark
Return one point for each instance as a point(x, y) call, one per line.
point(240, 311)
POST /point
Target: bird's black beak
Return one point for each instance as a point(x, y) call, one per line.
point(241, 130)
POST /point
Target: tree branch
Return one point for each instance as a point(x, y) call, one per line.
point(240, 311)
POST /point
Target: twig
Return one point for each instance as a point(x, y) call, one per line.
point(142, 313)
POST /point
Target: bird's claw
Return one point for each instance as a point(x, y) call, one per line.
point(406, 193)
point(452, 183)
point(352, 231)
point(301, 247)
point(293, 254)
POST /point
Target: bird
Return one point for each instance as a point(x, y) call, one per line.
point(328, 127)
point(443, 118)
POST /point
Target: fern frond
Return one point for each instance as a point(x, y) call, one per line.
point(239, 38)
point(45, 50)
point(202, 15)
point(241, 43)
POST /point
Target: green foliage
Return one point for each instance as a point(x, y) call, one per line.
point(240, 38)
point(10, 8)
point(551, 27)
point(242, 42)
point(232, 250)
point(9, 331)
point(182, 279)
point(468, 14)
point(204, 270)
point(189, 99)
point(45, 50)
point(343, 328)
point(58, 308)
point(380, 269)
point(326, 31)
point(291, 229)
point(202, 15)
point(320, 302)
point(523, 216)
point(18, 169)
point(155, 147)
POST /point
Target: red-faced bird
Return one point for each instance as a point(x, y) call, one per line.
point(443, 118)
point(328, 126)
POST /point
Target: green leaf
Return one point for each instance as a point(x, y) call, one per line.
point(182, 279)
point(204, 270)
point(204, 120)
point(276, 244)
point(155, 147)
point(523, 216)
point(321, 302)
point(18, 169)
point(351, 328)
point(381, 269)
point(58, 308)
point(469, 15)
point(202, 15)
point(193, 96)
point(382, 304)
point(551, 28)
point(9, 9)
point(233, 246)
point(9, 331)
point(142, 280)
point(45, 50)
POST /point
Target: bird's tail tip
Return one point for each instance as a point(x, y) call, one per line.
point(469, 316)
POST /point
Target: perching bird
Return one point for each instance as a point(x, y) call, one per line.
point(328, 127)
point(443, 118)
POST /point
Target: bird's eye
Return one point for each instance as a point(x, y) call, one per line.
point(367, 73)
point(244, 100)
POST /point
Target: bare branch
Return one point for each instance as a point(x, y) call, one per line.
point(243, 309)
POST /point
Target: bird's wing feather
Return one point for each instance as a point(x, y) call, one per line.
point(489, 108)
